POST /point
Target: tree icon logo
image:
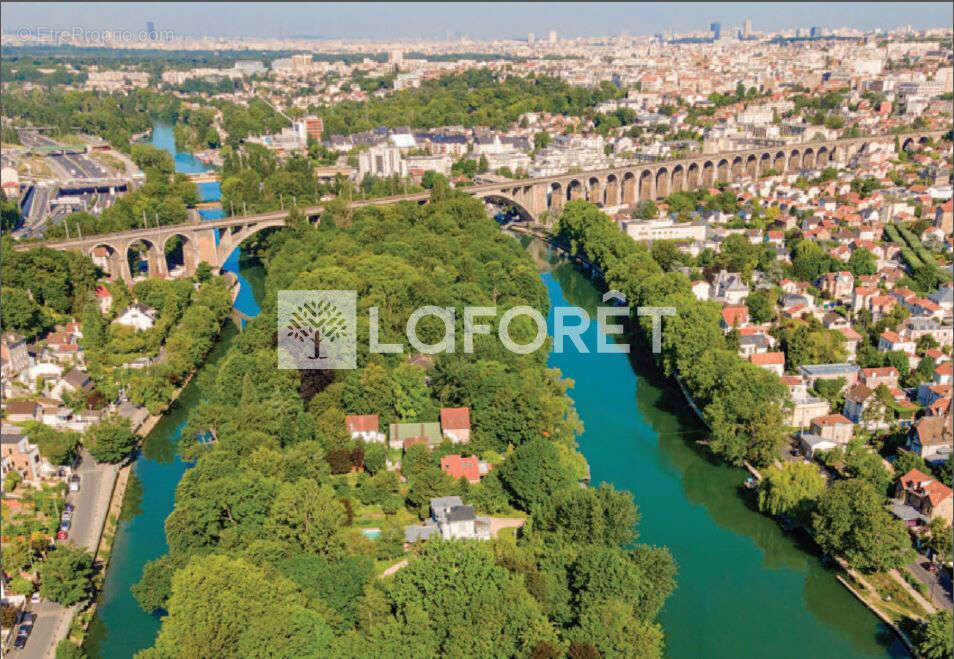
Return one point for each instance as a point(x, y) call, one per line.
point(316, 329)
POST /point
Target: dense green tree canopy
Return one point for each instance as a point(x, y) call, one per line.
point(66, 574)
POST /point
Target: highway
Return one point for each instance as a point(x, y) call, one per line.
point(80, 166)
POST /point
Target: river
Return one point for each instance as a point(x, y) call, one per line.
point(120, 628)
point(745, 588)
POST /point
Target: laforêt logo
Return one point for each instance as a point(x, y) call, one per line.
point(316, 329)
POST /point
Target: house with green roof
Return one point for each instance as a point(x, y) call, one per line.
point(405, 435)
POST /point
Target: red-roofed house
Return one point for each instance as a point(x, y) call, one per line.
point(886, 375)
point(944, 374)
point(771, 361)
point(734, 316)
point(364, 427)
point(460, 467)
point(881, 305)
point(890, 341)
point(455, 424)
point(861, 297)
point(929, 497)
point(851, 340)
point(104, 298)
point(838, 284)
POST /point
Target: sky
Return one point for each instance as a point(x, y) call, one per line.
point(474, 20)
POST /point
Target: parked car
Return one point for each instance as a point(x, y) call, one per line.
point(24, 630)
point(62, 535)
point(69, 507)
point(35, 598)
point(74, 483)
point(65, 525)
point(20, 642)
point(66, 516)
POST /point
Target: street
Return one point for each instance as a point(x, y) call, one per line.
point(91, 506)
point(942, 589)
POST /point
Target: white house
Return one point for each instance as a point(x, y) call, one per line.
point(138, 316)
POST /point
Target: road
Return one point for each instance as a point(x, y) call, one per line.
point(91, 506)
point(942, 591)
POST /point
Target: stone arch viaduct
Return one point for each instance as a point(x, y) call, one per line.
point(212, 241)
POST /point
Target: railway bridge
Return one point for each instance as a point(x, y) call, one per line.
point(535, 199)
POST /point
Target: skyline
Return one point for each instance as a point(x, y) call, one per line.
point(481, 21)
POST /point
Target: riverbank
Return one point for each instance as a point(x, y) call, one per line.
point(120, 628)
point(745, 585)
point(915, 605)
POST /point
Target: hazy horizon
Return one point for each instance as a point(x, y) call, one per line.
point(382, 21)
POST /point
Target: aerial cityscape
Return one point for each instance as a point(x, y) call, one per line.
point(531, 330)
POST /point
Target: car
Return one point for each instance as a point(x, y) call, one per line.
point(65, 525)
point(35, 598)
point(74, 483)
point(20, 642)
point(67, 516)
point(28, 617)
point(69, 507)
point(62, 535)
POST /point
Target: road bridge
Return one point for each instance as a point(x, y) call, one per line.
point(534, 199)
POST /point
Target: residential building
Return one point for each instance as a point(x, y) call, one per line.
point(18, 454)
point(382, 161)
point(925, 495)
point(771, 361)
point(364, 427)
point(471, 467)
point(811, 444)
point(834, 427)
point(451, 520)
point(14, 357)
point(455, 424)
point(138, 316)
point(931, 438)
point(406, 435)
point(886, 375)
point(806, 408)
point(813, 372)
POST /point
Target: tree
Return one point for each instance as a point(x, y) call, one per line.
point(475, 593)
point(810, 261)
point(110, 440)
point(940, 542)
point(761, 304)
point(541, 139)
point(645, 209)
point(307, 516)
point(934, 638)
point(851, 521)
point(862, 262)
point(908, 460)
point(67, 649)
point(791, 489)
point(534, 473)
point(222, 606)
point(590, 516)
point(615, 630)
point(375, 457)
point(66, 574)
point(482, 165)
